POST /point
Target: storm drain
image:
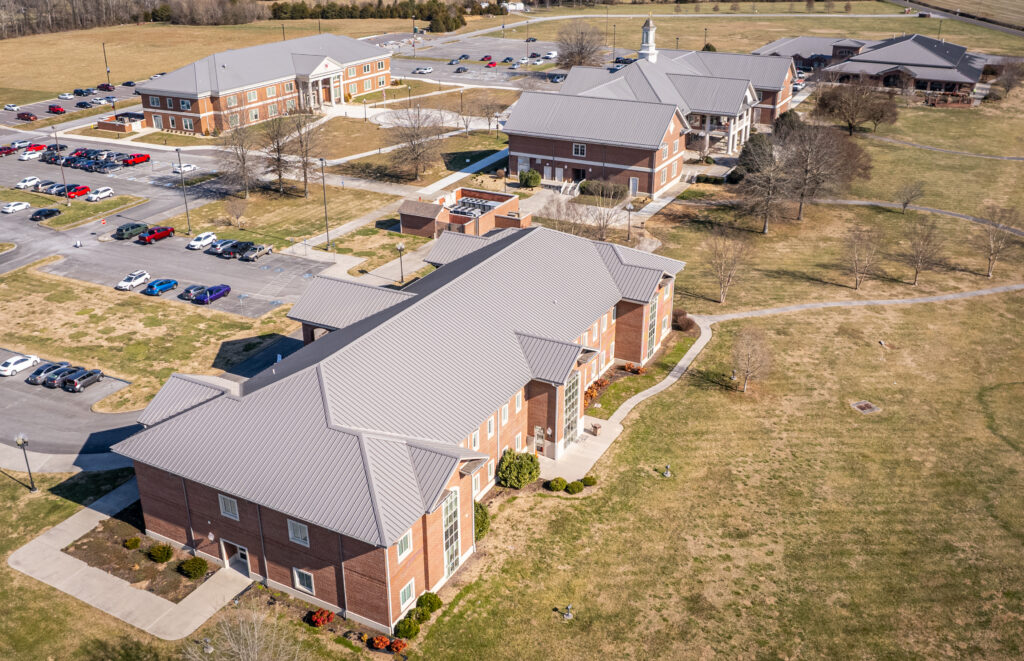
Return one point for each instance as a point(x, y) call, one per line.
point(864, 406)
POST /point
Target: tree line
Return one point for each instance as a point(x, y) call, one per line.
point(443, 17)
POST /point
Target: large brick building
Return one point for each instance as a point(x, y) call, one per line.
point(346, 473)
point(633, 125)
point(251, 85)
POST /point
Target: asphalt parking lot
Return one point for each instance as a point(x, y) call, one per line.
point(478, 73)
point(40, 108)
point(59, 421)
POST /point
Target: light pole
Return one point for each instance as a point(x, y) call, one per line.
point(60, 160)
point(181, 173)
point(22, 442)
point(401, 264)
point(613, 42)
point(323, 181)
point(461, 108)
point(629, 221)
point(677, 43)
point(364, 110)
point(105, 65)
point(705, 36)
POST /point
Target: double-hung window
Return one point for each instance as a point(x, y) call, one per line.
point(381, 80)
point(303, 580)
point(519, 401)
point(272, 91)
point(228, 506)
point(475, 442)
point(187, 124)
point(405, 545)
point(170, 119)
point(579, 149)
point(407, 594)
point(366, 68)
point(298, 532)
point(252, 95)
point(351, 72)
point(272, 110)
point(367, 84)
point(380, 65)
point(519, 442)
point(254, 115)
point(490, 470)
point(504, 414)
point(232, 101)
point(664, 151)
point(289, 87)
point(154, 101)
point(490, 426)
point(476, 483)
point(185, 104)
point(170, 103)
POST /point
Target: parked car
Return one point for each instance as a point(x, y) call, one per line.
point(538, 62)
point(43, 214)
point(523, 60)
point(76, 191)
point(56, 109)
point(20, 144)
point(100, 193)
point(83, 104)
point(81, 381)
point(27, 116)
point(486, 58)
point(16, 364)
point(66, 96)
point(158, 287)
point(130, 230)
point(100, 101)
point(461, 70)
point(35, 146)
point(464, 56)
point(220, 245)
point(133, 280)
point(43, 185)
point(7, 150)
point(617, 67)
point(508, 60)
point(55, 379)
point(107, 167)
point(154, 234)
point(211, 294)
point(530, 40)
point(82, 92)
point(135, 159)
point(797, 86)
point(105, 87)
point(184, 167)
point(14, 207)
point(37, 377)
point(558, 78)
point(423, 70)
point(55, 189)
point(29, 156)
point(27, 182)
point(514, 65)
point(12, 107)
point(237, 249)
point(201, 241)
point(533, 55)
point(254, 253)
point(56, 147)
point(128, 83)
point(191, 291)
point(551, 55)
point(452, 62)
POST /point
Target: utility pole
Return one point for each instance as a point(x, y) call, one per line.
point(323, 179)
point(22, 441)
point(60, 160)
point(677, 43)
point(107, 66)
point(282, 33)
point(705, 36)
point(613, 42)
point(181, 173)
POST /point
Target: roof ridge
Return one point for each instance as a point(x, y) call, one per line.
point(407, 294)
point(546, 339)
point(374, 505)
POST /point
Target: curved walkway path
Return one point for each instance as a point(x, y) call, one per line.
point(907, 143)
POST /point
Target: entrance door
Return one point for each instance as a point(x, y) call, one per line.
point(237, 557)
point(158, 122)
point(558, 174)
point(634, 185)
point(547, 172)
point(572, 414)
point(450, 520)
point(579, 174)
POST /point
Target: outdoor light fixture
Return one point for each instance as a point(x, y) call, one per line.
point(567, 615)
point(207, 647)
point(184, 195)
point(210, 536)
point(323, 180)
point(668, 472)
point(629, 221)
point(22, 441)
point(401, 264)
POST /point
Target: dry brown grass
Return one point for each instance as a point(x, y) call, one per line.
point(345, 136)
point(470, 99)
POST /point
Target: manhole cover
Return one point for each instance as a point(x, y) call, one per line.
point(864, 406)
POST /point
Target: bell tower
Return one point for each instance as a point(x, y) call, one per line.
point(647, 49)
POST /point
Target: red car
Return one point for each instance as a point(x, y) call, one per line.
point(486, 58)
point(27, 117)
point(154, 234)
point(106, 87)
point(7, 150)
point(77, 191)
point(57, 110)
point(35, 146)
point(135, 159)
point(492, 64)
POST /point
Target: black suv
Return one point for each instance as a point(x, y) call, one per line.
point(238, 249)
point(46, 369)
point(56, 378)
point(130, 230)
point(82, 380)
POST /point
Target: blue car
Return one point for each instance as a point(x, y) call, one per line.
point(211, 294)
point(158, 287)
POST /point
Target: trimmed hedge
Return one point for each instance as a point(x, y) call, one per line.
point(604, 188)
point(194, 568)
point(574, 487)
point(529, 178)
point(430, 601)
point(421, 614)
point(481, 521)
point(709, 179)
point(407, 628)
point(160, 553)
point(557, 484)
point(589, 481)
point(517, 469)
point(132, 543)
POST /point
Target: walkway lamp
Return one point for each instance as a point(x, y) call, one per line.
point(184, 195)
point(323, 181)
point(22, 442)
point(364, 110)
point(629, 221)
point(401, 264)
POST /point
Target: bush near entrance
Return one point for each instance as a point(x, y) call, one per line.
point(574, 487)
point(194, 568)
point(430, 601)
point(529, 178)
point(481, 521)
point(589, 481)
point(407, 628)
point(557, 484)
point(160, 553)
point(517, 469)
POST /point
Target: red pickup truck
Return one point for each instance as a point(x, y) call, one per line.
point(154, 234)
point(135, 159)
point(56, 109)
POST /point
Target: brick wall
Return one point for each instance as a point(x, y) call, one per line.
point(163, 502)
point(365, 584)
point(321, 558)
point(630, 332)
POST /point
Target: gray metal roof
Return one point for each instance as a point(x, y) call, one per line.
point(636, 273)
point(344, 432)
point(335, 303)
point(452, 245)
point(915, 50)
point(419, 208)
point(246, 67)
point(804, 47)
point(713, 96)
point(766, 73)
point(591, 119)
point(180, 393)
point(550, 360)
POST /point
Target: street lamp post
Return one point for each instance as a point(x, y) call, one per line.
point(60, 160)
point(613, 42)
point(629, 221)
point(364, 110)
point(22, 442)
point(323, 181)
point(184, 194)
point(401, 264)
point(705, 36)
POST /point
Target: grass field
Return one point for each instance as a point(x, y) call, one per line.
point(376, 245)
point(743, 35)
point(1008, 11)
point(282, 220)
point(470, 100)
point(79, 212)
point(175, 139)
point(622, 389)
point(100, 133)
point(455, 153)
point(345, 136)
point(408, 87)
point(129, 336)
point(794, 527)
point(857, 7)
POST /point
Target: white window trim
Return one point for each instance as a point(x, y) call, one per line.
point(187, 124)
point(380, 65)
point(490, 426)
point(519, 442)
point(271, 91)
point(490, 470)
point(154, 101)
point(579, 149)
point(411, 585)
point(185, 104)
point(504, 414)
point(519, 401)
point(398, 546)
point(474, 441)
point(476, 483)
point(221, 500)
point(298, 586)
point(298, 540)
point(170, 103)
point(252, 96)
point(171, 121)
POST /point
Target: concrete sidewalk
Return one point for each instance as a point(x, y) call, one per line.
point(43, 559)
point(12, 458)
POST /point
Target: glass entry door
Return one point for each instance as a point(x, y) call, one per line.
point(572, 408)
point(450, 518)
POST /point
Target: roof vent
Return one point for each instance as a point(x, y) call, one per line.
point(223, 66)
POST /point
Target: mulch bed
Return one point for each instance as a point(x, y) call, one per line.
point(103, 548)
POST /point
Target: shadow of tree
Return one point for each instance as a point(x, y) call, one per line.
point(709, 379)
point(377, 172)
point(800, 275)
point(124, 648)
point(85, 488)
point(232, 355)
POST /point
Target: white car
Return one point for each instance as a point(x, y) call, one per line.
point(100, 100)
point(20, 144)
point(99, 194)
point(423, 70)
point(551, 55)
point(66, 96)
point(538, 61)
point(12, 107)
point(201, 241)
point(797, 86)
point(524, 60)
point(27, 182)
point(16, 364)
point(28, 155)
point(184, 167)
point(13, 207)
point(133, 280)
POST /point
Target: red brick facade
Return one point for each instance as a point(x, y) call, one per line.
point(505, 214)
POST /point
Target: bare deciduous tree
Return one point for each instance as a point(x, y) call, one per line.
point(995, 239)
point(751, 355)
point(236, 206)
point(565, 216)
point(468, 111)
point(491, 109)
point(580, 44)
point(821, 159)
point(605, 210)
point(908, 193)
point(883, 111)
point(416, 129)
point(247, 634)
point(306, 136)
point(924, 245)
point(275, 134)
point(727, 254)
point(766, 187)
point(1011, 75)
point(854, 104)
point(238, 158)
point(863, 248)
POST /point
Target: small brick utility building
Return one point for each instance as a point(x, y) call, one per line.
point(466, 211)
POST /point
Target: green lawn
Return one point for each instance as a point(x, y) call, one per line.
point(627, 386)
point(793, 526)
point(406, 88)
point(175, 139)
point(456, 153)
point(376, 245)
point(857, 7)
point(471, 100)
point(79, 212)
point(49, 120)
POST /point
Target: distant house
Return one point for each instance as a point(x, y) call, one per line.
point(251, 85)
point(915, 60)
point(465, 210)
point(346, 473)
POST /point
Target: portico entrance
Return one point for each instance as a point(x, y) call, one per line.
point(235, 556)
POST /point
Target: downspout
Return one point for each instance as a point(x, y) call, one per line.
point(188, 516)
point(344, 583)
point(263, 547)
point(387, 586)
